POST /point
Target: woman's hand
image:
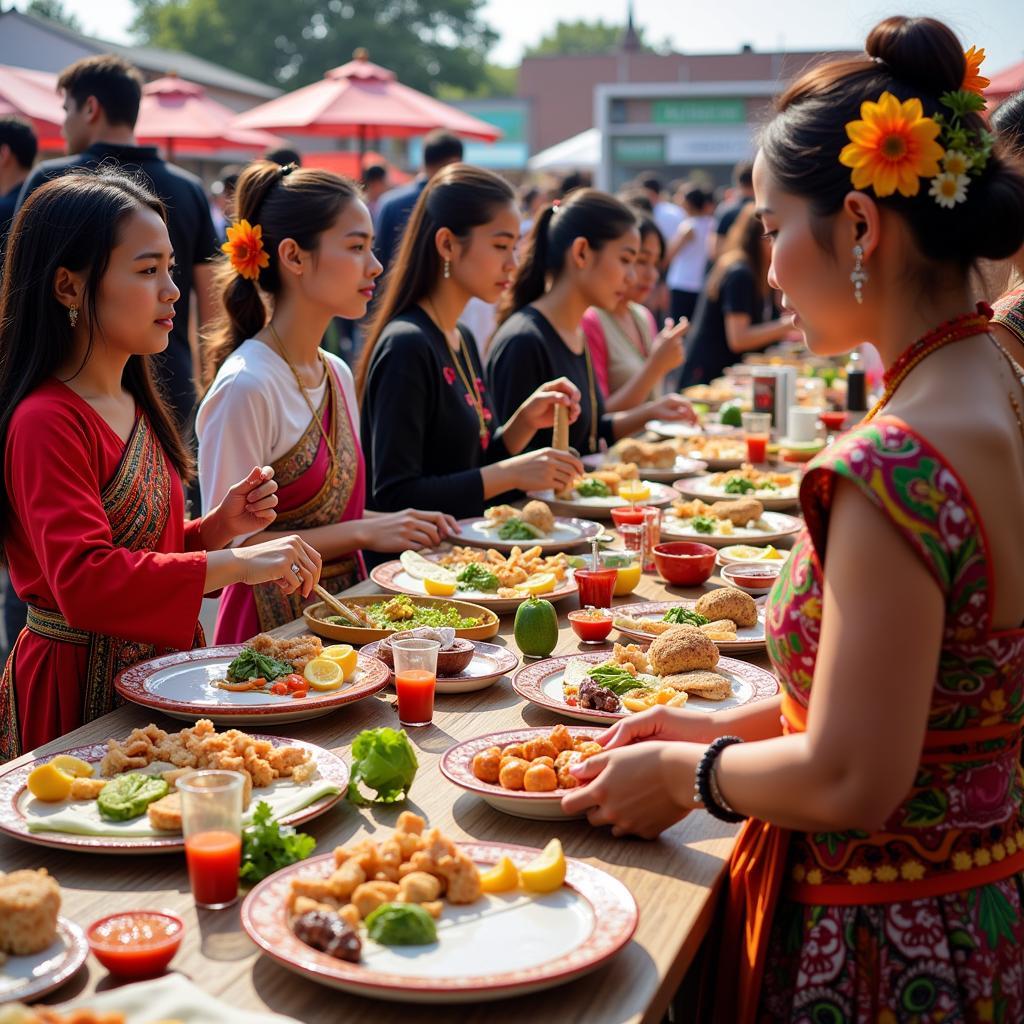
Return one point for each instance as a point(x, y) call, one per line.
point(538, 411)
point(658, 723)
point(671, 407)
point(543, 470)
point(411, 528)
point(639, 790)
point(246, 509)
point(667, 352)
point(287, 561)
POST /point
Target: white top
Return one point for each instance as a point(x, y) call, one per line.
point(686, 272)
point(667, 218)
point(253, 414)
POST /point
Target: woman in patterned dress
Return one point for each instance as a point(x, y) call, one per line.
point(879, 874)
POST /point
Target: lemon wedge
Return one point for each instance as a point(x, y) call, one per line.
point(545, 873)
point(73, 766)
point(539, 583)
point(345, 655)
point(502, 877)
point(634, 491)
point(324, 674)
point(49, 784)
point(439, 588)
point(770, 552)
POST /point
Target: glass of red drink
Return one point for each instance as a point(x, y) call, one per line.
point(597, 586)
point(757, 428)
point(415, 679)
point(627, 515)
point(211, 820)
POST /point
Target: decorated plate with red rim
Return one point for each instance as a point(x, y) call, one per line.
point(541, 684)
point(748, 638)
point(682, 466)
point(601, 508)
point(457, 767)
point(75, 824)
point(32, 976)
point(776, 498)
point(505, 944)
point(568, 533)
point(182, 685)
point(394, 576)
point(490, 662)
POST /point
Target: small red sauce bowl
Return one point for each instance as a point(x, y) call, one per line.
point(136, 943)
point(756, 577)
point(589, 628)
point(685, 563)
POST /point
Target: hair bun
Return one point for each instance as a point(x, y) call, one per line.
point(919, 52)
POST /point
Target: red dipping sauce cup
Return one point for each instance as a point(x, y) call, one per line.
point(136, 943)
point(833, 420)
point(591, 625)
point(597, 586)
point(211, 819)
point(631, 514)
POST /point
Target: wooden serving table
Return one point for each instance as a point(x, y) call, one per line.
point(674, 879)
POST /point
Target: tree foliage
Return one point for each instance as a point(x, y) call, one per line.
point(54, 10)
point(428, 43)
point(582, 36)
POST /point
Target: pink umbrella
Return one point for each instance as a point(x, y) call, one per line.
point(175, 112)
point(359, 98)
point(1005, 83)
point(32, 95)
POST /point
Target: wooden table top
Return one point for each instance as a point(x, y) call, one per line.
point(674, 879)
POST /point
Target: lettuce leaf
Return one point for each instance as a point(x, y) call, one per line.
point(384, 760)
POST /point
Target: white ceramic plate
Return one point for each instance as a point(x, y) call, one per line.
point(673, 428)
point(748, 638)
point(568, 533)
point(457, 767)
point(505, 944)
point(30, 977)
point(726, 558)
point(680, 468)
point(182, 685)
point(701, 487)
point(776, 526)
point(601, 508)
point(541, 683)
point(490, 663)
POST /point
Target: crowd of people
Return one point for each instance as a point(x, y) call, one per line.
point(880, 871)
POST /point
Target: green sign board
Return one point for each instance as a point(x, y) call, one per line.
point(638, 149)
point(699, 111)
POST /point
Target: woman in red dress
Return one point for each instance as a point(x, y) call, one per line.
point(91, 500)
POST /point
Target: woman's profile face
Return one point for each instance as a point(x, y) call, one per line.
point(610, 275)
point(485, 263)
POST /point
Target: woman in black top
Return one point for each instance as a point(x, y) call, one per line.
point(730, 316)
point(431, 435)
point(585, 246)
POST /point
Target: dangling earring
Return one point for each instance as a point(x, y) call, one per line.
point(447, 269)
point(859, 277)
point(72, 315)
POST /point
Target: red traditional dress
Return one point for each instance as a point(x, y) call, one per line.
point(98, 547)
point(922, 921)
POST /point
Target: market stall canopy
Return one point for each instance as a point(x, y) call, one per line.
point(360, 99)
point(32, 95)
point(1005, 83)
point(580, 153)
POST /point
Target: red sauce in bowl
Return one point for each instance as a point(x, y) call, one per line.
point(136, 943)
point(591, 625)
point(754, 577)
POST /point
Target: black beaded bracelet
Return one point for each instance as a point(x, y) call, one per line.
point(704, 788)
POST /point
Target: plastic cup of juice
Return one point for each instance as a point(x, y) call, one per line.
point(211, 820)
point(415, 679)
point(757, 429)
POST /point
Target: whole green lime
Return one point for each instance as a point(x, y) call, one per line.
point(536, 628)
point(730, 414)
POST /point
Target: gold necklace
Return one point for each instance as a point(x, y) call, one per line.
point(335, 475)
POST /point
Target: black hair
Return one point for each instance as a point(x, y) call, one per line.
point(572, 181)
point(1008, 121)
point(743, 174)
point(638, 199)
point(375, 172)
point(284, 156)
point(648, 228)
point(441, 148)
point(650, 182)
point(18, 135)
point(116, 84)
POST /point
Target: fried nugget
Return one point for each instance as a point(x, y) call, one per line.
point(632, 654)
point(681, 649)
point(709, 685)
point(538, 514)
point(165, 813)
point(498, 514)
point(728, 603)
point(86, 789)
point(739, 512)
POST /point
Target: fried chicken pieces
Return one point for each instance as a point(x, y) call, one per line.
point(539, 765)
point(299, 650)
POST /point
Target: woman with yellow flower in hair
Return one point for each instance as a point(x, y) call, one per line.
point(879, 873)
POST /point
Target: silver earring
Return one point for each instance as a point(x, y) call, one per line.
point(859, 276)
point(72, 315)
point(447, 269)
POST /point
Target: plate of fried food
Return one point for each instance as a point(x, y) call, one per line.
point(717, 393)
point(264, 681)
point(121, 796)
point(39, 949)
point(681, 668)
point(727, 522)
point(717, 452)
point(495, 580)
point(504, 527)
point(417, 917)
point(598, 491)
point(775, 491)
point(661, 461)
point(524, 772)
point(729, 617)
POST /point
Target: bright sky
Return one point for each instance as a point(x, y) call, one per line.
point(703, 27)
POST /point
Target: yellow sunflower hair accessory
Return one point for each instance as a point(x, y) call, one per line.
point(245, 249)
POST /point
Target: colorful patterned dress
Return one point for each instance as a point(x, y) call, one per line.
point(922, 921)
point(1009, 311)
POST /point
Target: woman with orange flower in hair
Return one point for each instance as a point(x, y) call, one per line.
point(879, 874)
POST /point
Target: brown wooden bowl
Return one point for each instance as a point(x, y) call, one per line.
point(449, 663)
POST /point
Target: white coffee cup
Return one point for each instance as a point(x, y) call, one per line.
point(803, 423)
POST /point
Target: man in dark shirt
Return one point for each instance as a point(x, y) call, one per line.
point(101, 104)
point(18, 147)
point(726, 214)
point(439, 150)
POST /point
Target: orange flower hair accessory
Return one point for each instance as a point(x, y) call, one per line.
point(974, 80)
point(245, 249)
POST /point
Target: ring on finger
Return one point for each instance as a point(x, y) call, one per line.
point(295, 568)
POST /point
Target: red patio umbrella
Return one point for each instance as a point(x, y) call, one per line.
point(358, 99)
point(32, 95)
point(1005, 83)
point(178, 113)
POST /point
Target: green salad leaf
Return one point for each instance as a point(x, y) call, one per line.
point(516, 529)
point(401, 924)
point(685, 617)
point(616, 679)
point(702, 524)
point(590, 488)
point(739, 485)
point(476, 577)
point(384, 760)
point(251, 664)
point(127, 796)
point(268, 845)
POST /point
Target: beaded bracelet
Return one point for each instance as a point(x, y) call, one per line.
point(705, 786)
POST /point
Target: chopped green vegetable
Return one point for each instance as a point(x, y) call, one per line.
point(739, 485)
point(401, 924)
point(616, 679)
point(421, 615)
point(475, 577)
point(516, 529)
point(685, 617)
point(590, 488)
point(267, 845)
point(128, 796)
point(251, 664)
point(384, 760)
point(702, 524)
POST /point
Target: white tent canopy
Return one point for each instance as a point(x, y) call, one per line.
point(580, 153)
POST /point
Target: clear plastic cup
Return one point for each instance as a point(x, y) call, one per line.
point(415, 679)
point(757, 428)
point(211, 821)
